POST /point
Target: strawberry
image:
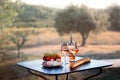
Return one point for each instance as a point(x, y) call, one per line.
point(58, 57)
point(44, 58)
point(48, 58)
point(52, 57)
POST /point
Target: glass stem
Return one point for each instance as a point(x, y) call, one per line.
point(65, 59)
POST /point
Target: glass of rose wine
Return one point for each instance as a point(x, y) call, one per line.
point(64, 51)
point(74, 51)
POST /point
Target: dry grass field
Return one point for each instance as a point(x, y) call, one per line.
point(100, 43)
point(105, 45)
point(52, 37)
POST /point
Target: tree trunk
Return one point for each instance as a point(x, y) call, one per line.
point(18, 52)
point(84, 37)
point(83, 42)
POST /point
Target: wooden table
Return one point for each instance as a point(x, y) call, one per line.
point(36, 66)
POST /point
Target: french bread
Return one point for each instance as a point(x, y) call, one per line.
point(79, 62)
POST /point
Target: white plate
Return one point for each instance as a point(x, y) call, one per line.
point(51, 64)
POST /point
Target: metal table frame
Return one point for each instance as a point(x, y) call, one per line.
point(37, 73)
point(67, 74)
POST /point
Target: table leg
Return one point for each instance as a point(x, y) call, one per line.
point(56, 77)
point(100, 71)
point(66, 76)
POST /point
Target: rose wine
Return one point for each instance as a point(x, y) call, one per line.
point(71, 57)
point(74, 51)
point(64, 51)
point(64, 48)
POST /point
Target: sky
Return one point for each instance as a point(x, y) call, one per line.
point(64, 3)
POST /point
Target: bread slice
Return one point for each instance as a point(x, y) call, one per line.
point(79, 62)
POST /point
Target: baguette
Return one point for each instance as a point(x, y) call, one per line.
point(79, 62)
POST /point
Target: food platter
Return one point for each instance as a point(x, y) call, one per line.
point(52, 60)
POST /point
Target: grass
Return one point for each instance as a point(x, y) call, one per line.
point(8, 71)
point(109, 74)
point(112, 55)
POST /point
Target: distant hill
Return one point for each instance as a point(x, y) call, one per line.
point(36, 16)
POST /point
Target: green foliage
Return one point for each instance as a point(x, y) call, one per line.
point(101, 20)
point(75, 19)
point(66, 19)
point(35, 16)
point(114, 13)
point(7, 13)
point(4, 41)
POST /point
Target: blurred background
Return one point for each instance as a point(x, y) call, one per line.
point(28, 28)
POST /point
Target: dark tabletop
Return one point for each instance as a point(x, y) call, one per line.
point(36, 65)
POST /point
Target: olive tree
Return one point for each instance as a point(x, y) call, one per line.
point(8, 13)
point(75, 19)
point(101, 19)
point(114, 13)
point(19, 39)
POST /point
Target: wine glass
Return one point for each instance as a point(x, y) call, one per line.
point(64, 51)
point(71, 46)
point(71, 43)
point(74, 50)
